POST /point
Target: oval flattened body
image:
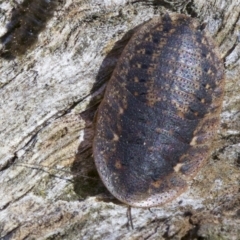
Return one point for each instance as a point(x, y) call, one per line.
point(160, 112)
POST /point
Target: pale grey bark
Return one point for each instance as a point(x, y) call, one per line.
point(48, 98)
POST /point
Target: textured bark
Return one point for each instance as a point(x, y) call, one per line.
point(49, 187)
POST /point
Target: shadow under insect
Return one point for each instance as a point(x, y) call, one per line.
point(27, 21)
point(87, 181)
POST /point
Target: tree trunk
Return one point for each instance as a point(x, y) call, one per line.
point(49, 187)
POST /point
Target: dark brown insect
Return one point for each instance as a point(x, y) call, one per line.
point(160, 112)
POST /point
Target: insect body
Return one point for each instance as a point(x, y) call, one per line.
point(160, 112)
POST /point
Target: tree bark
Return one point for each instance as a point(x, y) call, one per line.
point(49, 187)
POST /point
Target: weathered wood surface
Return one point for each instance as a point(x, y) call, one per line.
point(49, 188)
